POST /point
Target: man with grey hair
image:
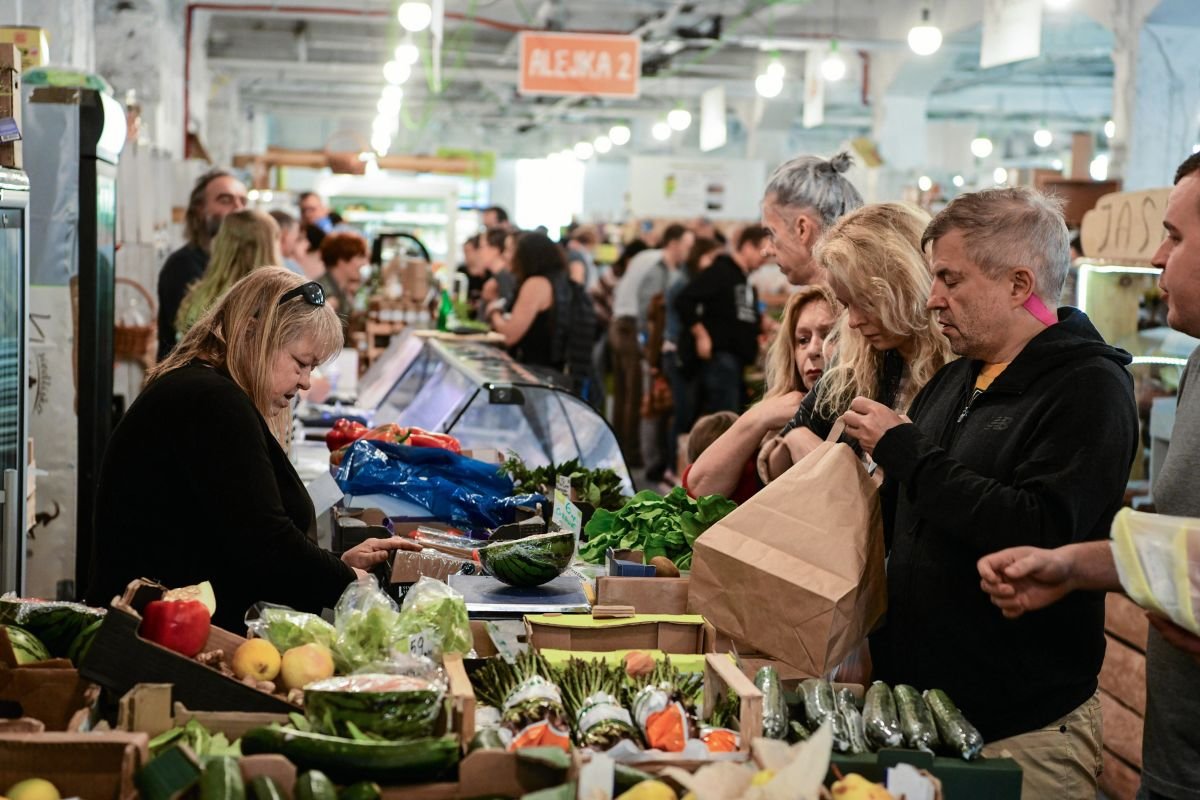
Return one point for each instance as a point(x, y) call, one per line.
point(1026, 440)
point(803, 198)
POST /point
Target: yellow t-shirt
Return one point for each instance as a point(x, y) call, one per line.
point(988, 374)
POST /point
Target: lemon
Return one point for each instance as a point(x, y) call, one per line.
point(257, 658)
point(33, 789)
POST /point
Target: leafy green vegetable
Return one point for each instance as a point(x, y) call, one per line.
point(657, 525)
point(433, 606)
point(196, 737)
point(600, 488)
point(286, 628)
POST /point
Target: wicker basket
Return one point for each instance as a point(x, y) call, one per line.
point(132, 342)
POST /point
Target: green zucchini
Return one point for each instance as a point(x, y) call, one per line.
point(222, 780)
point(775, 710)
point(349, 760)
point(957, 733)
point(363, 790)
point(313, 785)
point(264, 788)
point(818, 702)
point(881, 721)
point(847, 710)
point(916, 722)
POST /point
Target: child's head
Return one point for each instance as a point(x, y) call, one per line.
point(706, 431)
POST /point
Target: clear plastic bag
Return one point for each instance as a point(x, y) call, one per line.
point(1158, 562)
point(287, 628)
point(434, 620)
point(367, 624)
point(455, 489)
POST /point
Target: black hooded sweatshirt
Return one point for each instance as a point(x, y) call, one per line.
point(1041, 458)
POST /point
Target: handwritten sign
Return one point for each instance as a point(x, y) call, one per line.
point(1125, 226)
point(566, 515)
point(574, 64)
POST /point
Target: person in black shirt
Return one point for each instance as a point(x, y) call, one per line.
point(475, 271)
point(720, 309)
point(529, 329)
point(215, 194)
point(196, 484)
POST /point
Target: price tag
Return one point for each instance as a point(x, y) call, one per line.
point(562, 483)
point(421, 644)
point(567, 515)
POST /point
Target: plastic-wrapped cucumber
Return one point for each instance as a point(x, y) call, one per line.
point(881, 721)
point(957, 733)
point(916, 722)
point(847, 710)
point(818, 702)
point(775, 710)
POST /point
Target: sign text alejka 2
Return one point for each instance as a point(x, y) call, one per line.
point(580, 64)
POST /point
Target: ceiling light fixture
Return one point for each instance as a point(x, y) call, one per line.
point(380, 142)
point(407, 53)
point(679, 119)
point(414, 16)
point(602, 144)
point(924, 183)
point(619, 134)
point(1057, 164)
point(661, 131)
point(396, 72)
point(1000, 176)
point(1057, 5)
point(584, 151)
point(567, 154)
point(925, 38)
point(981, 147)
point(768, 85)
point(1110, 129)
point(776, 69)
point(833, 67)
point(1043, 137)
point(1098, 169)
point(958, 180)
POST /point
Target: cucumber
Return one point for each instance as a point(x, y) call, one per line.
point(363, 790)
point(881, 721)
point(775, 710)
point(313, 785)
point(847, 709)
point(916, 723)
point(818, 702)
point(957, 733)
point(349, 761)
point(264, 788)
point(222, 780)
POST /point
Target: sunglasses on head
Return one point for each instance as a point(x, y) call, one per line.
point(312, 292)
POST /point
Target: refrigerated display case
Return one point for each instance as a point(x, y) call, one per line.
point(14, 415)
point(481, 396)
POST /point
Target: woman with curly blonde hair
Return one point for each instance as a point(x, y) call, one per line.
point(795, 362)
point(889, 344)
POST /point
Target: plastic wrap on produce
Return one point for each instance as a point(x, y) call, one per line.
point(368, 626)
point(287, 628)
point(434, 619)
point(1158, 562)
point(455, 489)
point(399, 698)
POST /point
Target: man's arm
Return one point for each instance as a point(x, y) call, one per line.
point(1077, 453)
point(1021, 579)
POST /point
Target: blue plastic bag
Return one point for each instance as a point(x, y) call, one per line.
point(456, 489)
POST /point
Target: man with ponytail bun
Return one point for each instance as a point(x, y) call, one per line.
point(804, 197)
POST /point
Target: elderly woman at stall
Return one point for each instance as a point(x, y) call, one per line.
point(889, 344)
point(195, 485)
point(795, 362)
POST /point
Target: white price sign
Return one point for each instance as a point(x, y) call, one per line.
point(421, 644)
point(567, 515)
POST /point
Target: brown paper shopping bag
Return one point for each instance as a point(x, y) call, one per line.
point(797, 571)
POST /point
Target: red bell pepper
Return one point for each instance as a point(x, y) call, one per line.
point(179, 625)
point(444, 441)
point(344, 432)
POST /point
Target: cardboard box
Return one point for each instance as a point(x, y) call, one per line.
point(49, 691)
point(32, 43)
point(119, 659)
point(149, 708)
point(669, 633)
point(10, 107)
point(646, 595)
point(97, 766)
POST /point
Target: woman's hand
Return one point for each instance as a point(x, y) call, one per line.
point(772, 414)
point(372, 552)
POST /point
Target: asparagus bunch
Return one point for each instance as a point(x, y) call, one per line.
point(592, 693)
point(524, 691)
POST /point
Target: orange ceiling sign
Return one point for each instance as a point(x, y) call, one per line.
point(580, 64)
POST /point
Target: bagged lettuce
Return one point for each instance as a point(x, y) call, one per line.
point(367, 622)
point(287, 628)
point(434, 620)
